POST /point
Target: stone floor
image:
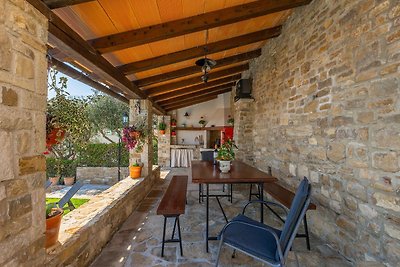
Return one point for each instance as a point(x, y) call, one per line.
point(87, 191)
point(138, 241)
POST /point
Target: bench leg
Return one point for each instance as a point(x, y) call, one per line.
point(306, 231)
point(180, 236)
point(163, 237)
point(173, 231)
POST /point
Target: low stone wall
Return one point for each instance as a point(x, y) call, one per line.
point(100, 175)
point(85, 231)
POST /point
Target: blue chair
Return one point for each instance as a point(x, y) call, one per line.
point(261, 241)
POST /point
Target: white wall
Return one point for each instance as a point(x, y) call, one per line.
point(215, 112)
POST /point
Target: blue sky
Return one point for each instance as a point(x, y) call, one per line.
point(75, 87)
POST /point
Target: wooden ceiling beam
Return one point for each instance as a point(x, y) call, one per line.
point(192, 24)
point(52, 4)
point(195, 96)
point(195, 52)
point(63, 37)
point(196, 69)
point(170, 87)
point(186, 92)
point(224, 80)
point(190, 103)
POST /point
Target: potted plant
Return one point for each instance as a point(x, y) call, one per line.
point(173, 122)
point(53, 222)
point(173, 133)
point(134, 138)
point(230, 121)
point(135, 170)
point(69, 172)
point(202, 122)
point(161, 127)
point(226, 155)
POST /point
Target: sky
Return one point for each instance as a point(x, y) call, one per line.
point(74, 87)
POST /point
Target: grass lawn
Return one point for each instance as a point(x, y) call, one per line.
point(76, 201)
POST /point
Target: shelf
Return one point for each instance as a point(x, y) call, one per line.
point(217, 128)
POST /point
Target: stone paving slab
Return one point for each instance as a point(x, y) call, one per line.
point(138, 242)
point(87, 191)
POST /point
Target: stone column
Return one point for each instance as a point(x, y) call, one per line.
point(141, 111)
point(243, 133)
point(23, 92)
point(164, 142)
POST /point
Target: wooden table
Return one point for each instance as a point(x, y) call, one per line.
point(204, 172)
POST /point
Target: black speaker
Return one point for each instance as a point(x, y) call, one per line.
point(243, 89)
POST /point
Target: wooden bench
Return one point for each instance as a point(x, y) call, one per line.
point(285, 197)
point(173, 205)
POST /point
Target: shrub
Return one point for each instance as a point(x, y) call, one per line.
point(102, 155)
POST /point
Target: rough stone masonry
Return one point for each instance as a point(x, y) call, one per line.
point(327, 106)
point(23, 91)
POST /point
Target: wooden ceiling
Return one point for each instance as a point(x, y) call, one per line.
point(147, 48)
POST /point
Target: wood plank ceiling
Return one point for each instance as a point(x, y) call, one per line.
point(155, 43)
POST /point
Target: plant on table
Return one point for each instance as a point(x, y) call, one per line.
point(226, 154)
point(230, 121)
point(202, 122)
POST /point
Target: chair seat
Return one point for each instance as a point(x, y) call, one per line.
point(252, 240)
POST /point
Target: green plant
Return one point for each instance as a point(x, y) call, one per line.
point(230, 120)
point(162, 126)
point(173, 121)
point(226, 151)
point(101, 155)
point(52, 210)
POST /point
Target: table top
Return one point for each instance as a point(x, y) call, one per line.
point(204, 172)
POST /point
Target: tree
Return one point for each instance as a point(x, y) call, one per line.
point(105, 113)
point(68, 114)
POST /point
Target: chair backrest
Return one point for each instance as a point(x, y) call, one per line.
point(47, 184)
point(67, 197)
point(207, 155)
point(297, 210)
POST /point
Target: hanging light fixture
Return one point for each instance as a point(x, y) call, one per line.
point(205, 63)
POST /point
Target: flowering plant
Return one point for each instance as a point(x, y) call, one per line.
point(225, 152)
point(133, 138)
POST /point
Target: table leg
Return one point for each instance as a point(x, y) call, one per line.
point(207, 203)
point(262, 205)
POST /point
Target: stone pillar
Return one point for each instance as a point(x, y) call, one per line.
point(141, 111)
point(23, 92)
point(164, 142)
point(243, 133)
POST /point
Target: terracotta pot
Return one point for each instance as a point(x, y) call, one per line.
point(162, 131)
point(52, 229)
point(69, 180)
point(54, 180)
point(135, 171)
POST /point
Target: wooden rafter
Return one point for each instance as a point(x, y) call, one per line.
point(63, 3)
point(170, 87)
point(195, 96)
point(173, 95)
point(194, 52)
point(224, 80)
point(192, 24)
point(196, 69)
point(68, 40)
point(191, 103)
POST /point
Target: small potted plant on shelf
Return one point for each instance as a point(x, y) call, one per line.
point(135, 170)
point(161, 127)
point(230, 121)
point(173, 122)
point(226, 155)
point(202, 122)
point(173, 133)
point(53, 222)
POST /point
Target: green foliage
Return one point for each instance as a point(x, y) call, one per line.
point(162, 126)
point(226, 152)
point(61, 167)
point(76, 201)
point(105, 113)
point(102, 155)
point(155, 150)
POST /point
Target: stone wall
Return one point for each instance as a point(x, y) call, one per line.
point(327, 107)
point(23, 90)
point(100, 175)
point(164, 142)
point(85, 231)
